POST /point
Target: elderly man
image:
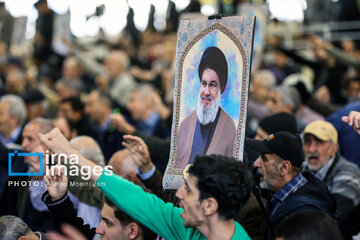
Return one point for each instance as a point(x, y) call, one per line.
point(290, 191)
point(143, 110)
point(12, 117)
point(121, 82)
point(208, 129)
point(12, 228)
point(214, 192)
point(341, 176)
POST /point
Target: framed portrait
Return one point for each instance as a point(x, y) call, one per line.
point(213, 59)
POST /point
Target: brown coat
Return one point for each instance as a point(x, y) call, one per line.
point(222, 142)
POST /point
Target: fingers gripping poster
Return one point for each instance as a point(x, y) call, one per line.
point(213, 59)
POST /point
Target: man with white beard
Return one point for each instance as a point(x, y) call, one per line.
point(208, 129)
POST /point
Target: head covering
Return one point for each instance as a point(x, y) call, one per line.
point(33, 96)
point(278, 122)
point(214, 59)
point(286, 145)
point(323, 130)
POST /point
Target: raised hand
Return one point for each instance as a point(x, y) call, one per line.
point(71, 234)
point(118, 121)
point(56, 142)
point(139, 152)
point(353, 120)
point(56, 182)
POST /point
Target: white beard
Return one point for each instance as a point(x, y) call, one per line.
point(207, 116)
point(264, 185)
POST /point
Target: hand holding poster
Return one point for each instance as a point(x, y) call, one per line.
point(213, 61)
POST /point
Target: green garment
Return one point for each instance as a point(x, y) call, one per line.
point(162, 218)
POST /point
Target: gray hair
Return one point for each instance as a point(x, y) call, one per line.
point(12, 228)
point(88, 147)
point(269, 79)
point(289, 95)
point(144, 90)
point(46, 125)
point(17, 106)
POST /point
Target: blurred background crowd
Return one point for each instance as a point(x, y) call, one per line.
point(77, 62)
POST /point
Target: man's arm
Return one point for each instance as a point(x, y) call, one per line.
point(148, 173)
point(141, 206)
point(353, 120)
point(60, 206)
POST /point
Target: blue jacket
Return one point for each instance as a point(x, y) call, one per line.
point(348, 139)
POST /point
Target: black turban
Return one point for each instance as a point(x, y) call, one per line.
point(214, 59)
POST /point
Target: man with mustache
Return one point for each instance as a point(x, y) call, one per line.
point(287, 189)
point(341, 176)
point(208, 129)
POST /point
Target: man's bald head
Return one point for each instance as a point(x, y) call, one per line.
point(88, 147)
point(123, 165)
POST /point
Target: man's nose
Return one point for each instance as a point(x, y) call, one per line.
point(180, 193)
point(257, 162)
point(101, 228)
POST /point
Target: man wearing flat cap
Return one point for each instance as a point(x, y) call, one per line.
point(288, 190)
point(208, 129)
point(341, 176)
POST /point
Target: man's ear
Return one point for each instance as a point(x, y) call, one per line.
point(210, 206)
point(22, 238)
point(334, 149)
point(133, 230)
point(285, 167)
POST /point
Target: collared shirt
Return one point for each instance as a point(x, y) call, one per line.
point(322, 171)
point(280, 196)
point(106, 124)
point(13, 136)
point(148, 126)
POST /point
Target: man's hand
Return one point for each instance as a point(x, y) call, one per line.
point(353, 120)
point(71, 234)
point(56, 182)
point(139, 152)
point(119, 122)
point(56, 142)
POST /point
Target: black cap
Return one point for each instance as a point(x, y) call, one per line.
point(214, 59)
point(286, 145)
point(278, 122)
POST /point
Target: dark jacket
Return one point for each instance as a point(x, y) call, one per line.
point(62, 211)
point(314, 195)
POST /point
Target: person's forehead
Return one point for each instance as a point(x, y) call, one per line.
point(191, 182)
point(108, 212)
point(210, 74)
point(33, 128)
point(5, 105)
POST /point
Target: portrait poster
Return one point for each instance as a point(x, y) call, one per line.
point(61, 34)
point(17, 46)
point(213, 64)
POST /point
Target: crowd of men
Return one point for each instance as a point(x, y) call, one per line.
point(299, 178)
